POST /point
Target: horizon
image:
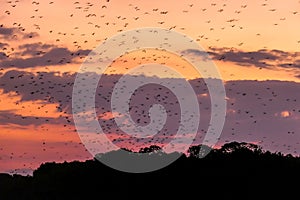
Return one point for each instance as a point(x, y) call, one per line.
point(153, 150)
point(45, 45)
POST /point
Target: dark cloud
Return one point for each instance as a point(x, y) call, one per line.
point(295, 64)
point(30, 35)
point(9, 118)
point(15, 33)
point(257, 111)
point(54, 56)
point(262, 58)
point(34, 49)
point(3, 56)
point(202, 54)
point(3, 45)
point(48, 87)
point(7, 31)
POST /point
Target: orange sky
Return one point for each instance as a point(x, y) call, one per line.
point(249, 20)
point(241, 25)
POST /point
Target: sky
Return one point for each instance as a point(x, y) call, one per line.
point(254, 44)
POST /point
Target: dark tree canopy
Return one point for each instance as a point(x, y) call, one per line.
point(235, 167)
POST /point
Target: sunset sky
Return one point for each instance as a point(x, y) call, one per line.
point(255, 45)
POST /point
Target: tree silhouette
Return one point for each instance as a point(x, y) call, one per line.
point(241, 147)
point(199, 151)
point(235, 167)
point(152, 148)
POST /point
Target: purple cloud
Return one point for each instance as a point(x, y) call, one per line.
point(3, 56)
point(7, 31)
point(266, 112)
point(262, 58)
point(9, 118)
point(3, 45)
point(15, 33)
point(54, 56)
point(34, 49)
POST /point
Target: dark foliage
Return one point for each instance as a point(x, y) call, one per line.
point(237, 170)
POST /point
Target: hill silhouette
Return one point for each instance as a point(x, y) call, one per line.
point(236, 170)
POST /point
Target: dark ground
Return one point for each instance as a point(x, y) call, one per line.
point(236, 171)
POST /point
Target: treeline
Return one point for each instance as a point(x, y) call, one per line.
point(234, 169)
